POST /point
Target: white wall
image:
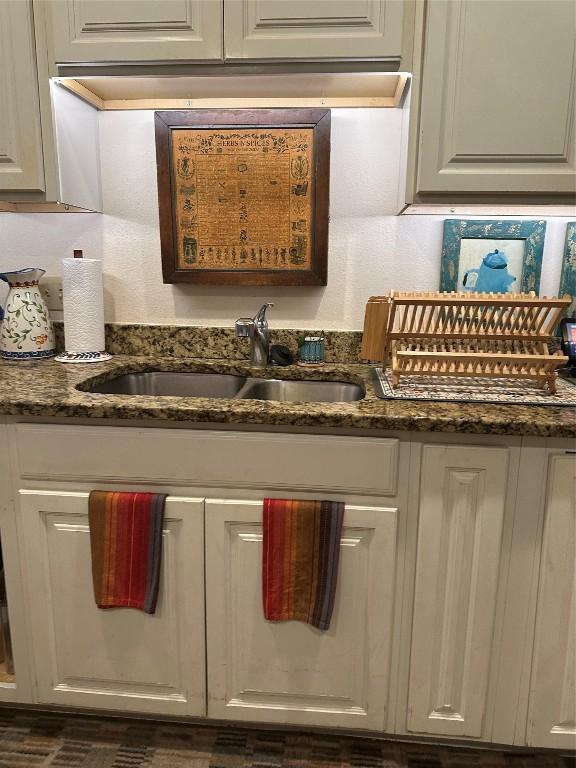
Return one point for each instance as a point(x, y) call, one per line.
point(370, 253)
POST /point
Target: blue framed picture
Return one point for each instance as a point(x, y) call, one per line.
point(492, 256)
point(568, 276)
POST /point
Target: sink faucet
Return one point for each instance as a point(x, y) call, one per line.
point(256, 328)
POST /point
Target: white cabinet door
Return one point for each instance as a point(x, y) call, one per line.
point(14, 687)
point(118, 659)
point(305, 29)
point(462, 499)
point(552, 708)
point(21, 164)
point(135, 30)
point(290, 672)
point(497, 108)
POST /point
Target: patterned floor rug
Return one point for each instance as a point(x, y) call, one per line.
point(31, 740)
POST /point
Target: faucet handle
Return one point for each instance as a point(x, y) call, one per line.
point(244, 326)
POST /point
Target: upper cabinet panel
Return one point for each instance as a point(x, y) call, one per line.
point(498, 97)
point(135, 30)
point(311, 29)
point(21, 165)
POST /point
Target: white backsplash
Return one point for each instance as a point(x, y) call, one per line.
point(370, 251)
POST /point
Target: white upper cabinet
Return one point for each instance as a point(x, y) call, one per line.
point(310, 29)
point(47, 155)
point(552, 710)
point(147, 30)
point(21, 166)
point(497, 109)
point(135, 30)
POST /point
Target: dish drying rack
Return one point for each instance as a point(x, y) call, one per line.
point(490, 335)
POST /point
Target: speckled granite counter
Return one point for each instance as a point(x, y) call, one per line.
point(48, 389)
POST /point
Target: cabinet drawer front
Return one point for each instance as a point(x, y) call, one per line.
point(234, 459)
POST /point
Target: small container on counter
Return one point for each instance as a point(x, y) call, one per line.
point(311, 350)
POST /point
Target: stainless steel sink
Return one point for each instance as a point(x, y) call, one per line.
point(222, 385)
point(164, 383)
point(301, 391)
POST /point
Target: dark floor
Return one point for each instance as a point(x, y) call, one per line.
point(63, 741)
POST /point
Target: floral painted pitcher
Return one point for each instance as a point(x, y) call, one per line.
point(26, 332)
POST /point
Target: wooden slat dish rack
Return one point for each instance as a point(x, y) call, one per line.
point(462, 334)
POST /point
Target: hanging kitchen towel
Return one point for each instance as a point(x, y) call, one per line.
point(301, 549)
point(126, 544)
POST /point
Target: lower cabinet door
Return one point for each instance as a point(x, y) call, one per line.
point(552, 707)
point(291, 672)
point(122, 658)
point(462, 500)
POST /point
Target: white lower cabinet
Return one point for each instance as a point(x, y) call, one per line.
point(290, 672)
point(119, 659)
point(552, 706)
point(461, 512)
point(15, 678)
point(287, 672)
point(455, 611)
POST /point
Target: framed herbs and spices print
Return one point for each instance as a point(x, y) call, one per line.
point(243, 195)
point(492, 256)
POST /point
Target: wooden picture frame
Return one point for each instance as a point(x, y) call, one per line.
point(526, 237)
point(568, 274)
point(283, 198)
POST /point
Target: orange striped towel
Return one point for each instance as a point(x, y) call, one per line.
point(126, 544)
point(301, 550)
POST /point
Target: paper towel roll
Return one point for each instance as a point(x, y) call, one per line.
point(83, 305)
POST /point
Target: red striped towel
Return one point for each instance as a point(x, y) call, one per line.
point(301, 550)
point(126, 544)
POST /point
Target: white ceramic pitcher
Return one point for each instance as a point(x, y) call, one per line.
point(26, 332)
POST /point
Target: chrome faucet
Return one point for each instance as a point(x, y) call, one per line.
point(256, 329)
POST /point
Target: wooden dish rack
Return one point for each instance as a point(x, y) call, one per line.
point(462, 334)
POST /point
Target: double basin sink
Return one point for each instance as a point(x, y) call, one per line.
point(223, 385)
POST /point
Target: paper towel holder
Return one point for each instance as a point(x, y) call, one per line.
point(69, 356)
point(83, 357)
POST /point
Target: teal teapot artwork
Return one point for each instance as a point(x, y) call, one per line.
point(491, 277)
point(26, 331)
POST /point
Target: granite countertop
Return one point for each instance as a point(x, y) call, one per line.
point(48, 389)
